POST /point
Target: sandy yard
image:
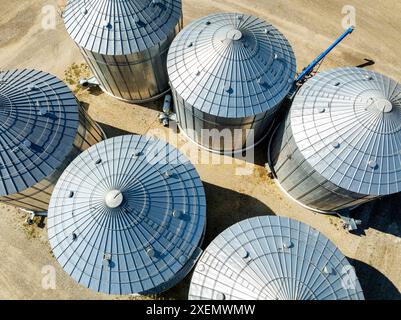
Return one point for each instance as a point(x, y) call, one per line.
point(310, 25)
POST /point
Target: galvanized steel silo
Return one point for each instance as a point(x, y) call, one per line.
point(125, 43)
point(43, 129)
point(273, 258)
point(128, 216)
point(340, 144)
point(229, 72)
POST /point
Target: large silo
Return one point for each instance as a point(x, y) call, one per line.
point(229, 74)
point(43, 129)
point(340, 144)
point(128, 216)
point(125, 43)
point(273, 258)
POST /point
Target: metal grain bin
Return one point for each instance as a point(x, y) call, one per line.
point(229, 74)
point(128, 216)
point(273, 258)
point(43, 129)
point(125, 43)
point(340, 144)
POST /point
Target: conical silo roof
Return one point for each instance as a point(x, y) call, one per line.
point(121, 27)
point(39, 121)
point(231, 65)
point(273, 258)
point(128, 216)
point(347, 124)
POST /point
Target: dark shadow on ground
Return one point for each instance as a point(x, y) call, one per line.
point(382, 214)
point(42, 222)
point(95, 91)
point(156, 105)
point(112, 132)
point(225, 207)
point(367, 63)
point(375, 285)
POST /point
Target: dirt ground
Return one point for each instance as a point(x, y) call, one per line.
point(310, 25)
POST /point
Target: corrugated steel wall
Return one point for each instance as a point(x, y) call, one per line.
point(138, 77)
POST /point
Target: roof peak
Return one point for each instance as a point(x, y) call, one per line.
point(382, 105)
point(234, 34)
point(114, 198)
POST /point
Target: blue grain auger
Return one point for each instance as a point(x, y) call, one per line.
point(309, 69)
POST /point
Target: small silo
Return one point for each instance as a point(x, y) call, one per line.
point(229, 74)
point(43, 129)
point(273, 258)
point(128, 216)
point(340, 144)
point(125, 43)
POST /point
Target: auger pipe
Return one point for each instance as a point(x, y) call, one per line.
point(308, 70)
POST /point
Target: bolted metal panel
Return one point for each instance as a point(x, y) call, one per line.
point(229, 71)
point(128, 216)
point(125, 43)
point(340, 144)
point(273, 258)
point(43, 129)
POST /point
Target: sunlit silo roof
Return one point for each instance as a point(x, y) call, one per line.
point(229, 70)
point(231, 65)
point(121, 27)
point(343, 132)
point(273, 258)
point(43, 128)
point(128, 216)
